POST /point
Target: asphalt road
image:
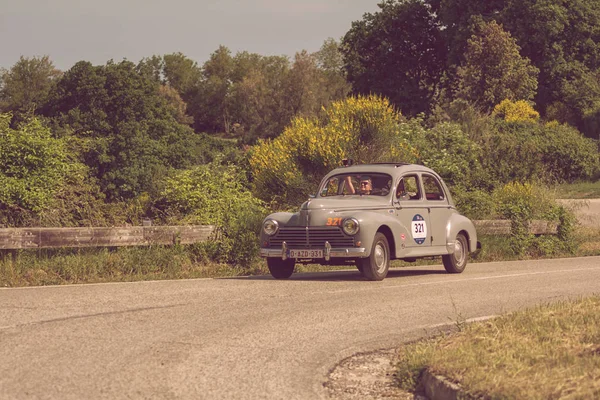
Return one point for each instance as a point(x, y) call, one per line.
point(587, 211)
point(246, 338)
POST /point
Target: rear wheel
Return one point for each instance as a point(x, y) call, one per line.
point(281, 269)
point(455, 263)
point(376, 266)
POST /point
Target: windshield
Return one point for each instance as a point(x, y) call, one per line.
point(368, 184)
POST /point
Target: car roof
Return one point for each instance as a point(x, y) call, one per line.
point(394, 169)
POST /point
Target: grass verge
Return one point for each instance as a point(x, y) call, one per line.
point(582, 190)
point(547, 352)
point(65, 266)
point(93, 265)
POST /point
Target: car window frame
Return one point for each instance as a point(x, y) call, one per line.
point(419, 187)
point(438, 183)
point(340, 185)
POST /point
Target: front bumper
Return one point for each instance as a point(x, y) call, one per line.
point(328, 252)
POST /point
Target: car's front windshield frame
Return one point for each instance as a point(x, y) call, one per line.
point(376, 184)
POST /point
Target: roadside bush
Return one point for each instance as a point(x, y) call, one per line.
point(450, 152)
point(474, 204)
point(214, 194)
point(365, 129)
point(567, 154)
point(515, 151)
point(41, 180)
point(523, 202)
point(516, 111)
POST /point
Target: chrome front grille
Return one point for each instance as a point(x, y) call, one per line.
point(302, 237)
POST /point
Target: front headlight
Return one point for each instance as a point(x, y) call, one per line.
point(350, 226)
point(270, 227)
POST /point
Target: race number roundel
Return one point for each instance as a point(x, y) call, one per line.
point(418, 229)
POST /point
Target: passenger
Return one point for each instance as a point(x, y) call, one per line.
point(401, 193)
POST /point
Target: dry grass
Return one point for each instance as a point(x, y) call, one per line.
point(548, 352)
point(589, 241)
point(65, 266)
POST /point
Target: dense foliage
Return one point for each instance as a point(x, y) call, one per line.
point(492, 95)
point(36, 170)
point(494, 50)
point(214, 194)
point(364, 129)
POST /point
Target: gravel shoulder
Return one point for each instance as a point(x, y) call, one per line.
point(366, 376)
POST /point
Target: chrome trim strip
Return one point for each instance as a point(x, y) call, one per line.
point(338, 253)
point(284, 251)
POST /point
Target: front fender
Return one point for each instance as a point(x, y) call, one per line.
point(371, 223)
point(283, 218)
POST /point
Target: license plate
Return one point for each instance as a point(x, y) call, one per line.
point(306, 253)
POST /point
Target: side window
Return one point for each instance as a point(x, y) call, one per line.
point(408, 188)
point(433, 189)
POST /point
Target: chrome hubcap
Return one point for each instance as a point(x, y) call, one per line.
point(459, 252)
point(380, 257)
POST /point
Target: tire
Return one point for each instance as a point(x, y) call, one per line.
point(455, 263)
point(376, 266)
point(359, 267)
point(281, 269)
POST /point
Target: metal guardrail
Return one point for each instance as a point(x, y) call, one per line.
point(41, 238)
point(502, 227)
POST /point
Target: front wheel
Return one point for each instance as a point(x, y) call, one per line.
point(281, 269)
point(376, 266)
point(455, 263)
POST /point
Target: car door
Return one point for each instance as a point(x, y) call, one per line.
point(412, 212)
point(439, 208)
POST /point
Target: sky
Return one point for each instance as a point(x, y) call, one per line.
point(97, 31)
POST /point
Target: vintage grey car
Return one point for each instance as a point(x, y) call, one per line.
point(368, 215)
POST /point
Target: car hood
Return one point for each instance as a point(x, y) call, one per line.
point(346, 203)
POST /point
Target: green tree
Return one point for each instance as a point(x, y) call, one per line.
point(398, 52)
point(209, 102)
point(560, 37)
point(258, 98)
point(494, 70)
point(330, 61)
point(181, 73)
point(34, 168)
point(130, 131)
point(25, 87)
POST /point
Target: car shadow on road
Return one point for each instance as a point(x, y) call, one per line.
point(349, 275)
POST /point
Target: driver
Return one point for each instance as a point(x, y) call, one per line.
point(366, 185)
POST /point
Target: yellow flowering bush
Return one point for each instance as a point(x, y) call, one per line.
point(364, 128)
point(517, 111)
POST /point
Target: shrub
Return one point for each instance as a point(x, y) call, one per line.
point(524, 202)
point(475, 204)
point(516, 111)
point(215, 194)
point(39, 174)
point(365, 129)
point(450, 152)
point(567, 154)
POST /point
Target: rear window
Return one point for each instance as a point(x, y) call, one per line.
point(433, 189)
